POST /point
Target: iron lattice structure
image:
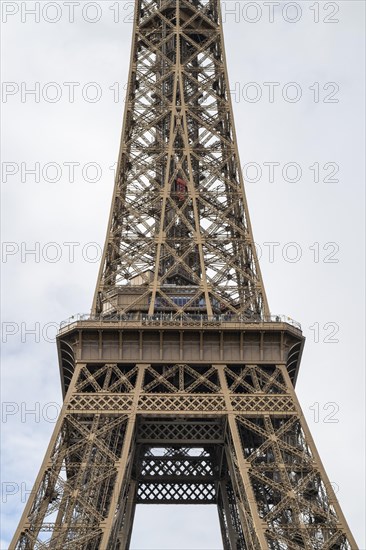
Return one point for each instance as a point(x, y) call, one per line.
point(179, 214)
point(179, 388)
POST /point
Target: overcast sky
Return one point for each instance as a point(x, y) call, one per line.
point(297, 75)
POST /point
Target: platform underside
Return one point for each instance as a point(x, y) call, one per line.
point(192, 343)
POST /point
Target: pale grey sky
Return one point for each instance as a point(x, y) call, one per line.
point(320, 136)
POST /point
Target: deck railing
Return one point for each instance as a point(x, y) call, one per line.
point(164, 319)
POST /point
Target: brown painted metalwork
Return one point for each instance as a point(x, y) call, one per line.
point(179, 388)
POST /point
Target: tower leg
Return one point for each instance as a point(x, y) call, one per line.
point(229, 534)
point(285, 498)
point(80, 497)
point(329, 494)
point(44, 488)
point(121, 490)
point(124, 537)
point(252, 526)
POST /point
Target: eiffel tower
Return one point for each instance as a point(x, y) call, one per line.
point(179, 387)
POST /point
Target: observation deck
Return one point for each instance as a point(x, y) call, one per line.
point(167, 339)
